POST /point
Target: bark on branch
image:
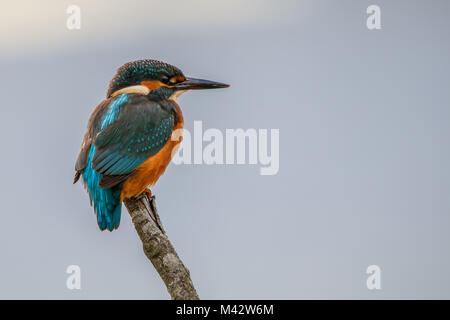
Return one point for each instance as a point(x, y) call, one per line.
point(158, 248)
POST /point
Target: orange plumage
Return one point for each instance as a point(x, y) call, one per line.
point(149, 172)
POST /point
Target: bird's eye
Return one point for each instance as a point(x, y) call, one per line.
point(165, 79)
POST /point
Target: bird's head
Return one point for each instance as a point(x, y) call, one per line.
point(156, 78)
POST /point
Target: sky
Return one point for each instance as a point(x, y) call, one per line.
point(363, 175)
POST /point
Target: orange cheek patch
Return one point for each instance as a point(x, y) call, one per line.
point(177, 79)
point(153, 85)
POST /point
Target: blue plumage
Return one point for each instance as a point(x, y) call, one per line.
point(106, 202)
point(134, 72)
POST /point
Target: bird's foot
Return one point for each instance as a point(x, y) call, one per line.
point(148, 192)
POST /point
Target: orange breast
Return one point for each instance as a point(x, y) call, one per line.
point(149, 172)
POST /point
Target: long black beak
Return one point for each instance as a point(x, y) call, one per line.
point(199, 84)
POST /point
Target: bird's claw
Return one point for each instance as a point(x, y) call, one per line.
point(148, 192)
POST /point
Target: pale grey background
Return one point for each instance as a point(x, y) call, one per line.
point(364, 153)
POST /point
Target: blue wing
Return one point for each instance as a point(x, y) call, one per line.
point(139, 131)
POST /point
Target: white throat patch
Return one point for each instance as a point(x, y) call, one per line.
point(176, 94)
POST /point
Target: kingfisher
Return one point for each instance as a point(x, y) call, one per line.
point(132, 135)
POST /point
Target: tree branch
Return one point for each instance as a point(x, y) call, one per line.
point(158, 248)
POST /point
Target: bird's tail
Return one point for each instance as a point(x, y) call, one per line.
point(106, 202)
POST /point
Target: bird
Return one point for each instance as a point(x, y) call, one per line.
point(132, 135)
